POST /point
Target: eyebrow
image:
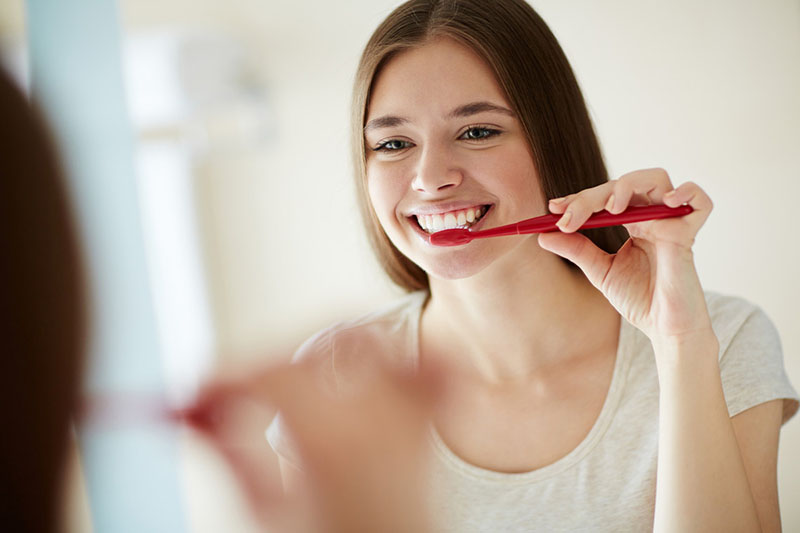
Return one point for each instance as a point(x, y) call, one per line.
point(466, 110)
point(474, 108)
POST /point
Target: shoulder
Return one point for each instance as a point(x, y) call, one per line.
point(387, 335)
point(751, 357)
point(724, 307)
point(735, 320)
point(343, 355)
point(372, 330)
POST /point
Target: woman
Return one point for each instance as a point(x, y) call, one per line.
point(611, 396)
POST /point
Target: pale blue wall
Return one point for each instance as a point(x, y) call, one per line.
point(76, 75)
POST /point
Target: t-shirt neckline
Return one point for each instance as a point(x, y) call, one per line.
point(601, 424)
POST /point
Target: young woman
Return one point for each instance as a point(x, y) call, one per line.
point(591, 383)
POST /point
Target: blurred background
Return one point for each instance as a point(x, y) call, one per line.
point(250, 235)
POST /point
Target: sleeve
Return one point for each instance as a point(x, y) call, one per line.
point(317, 350)
point(752, 370)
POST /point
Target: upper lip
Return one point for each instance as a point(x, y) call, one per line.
point(443, 207)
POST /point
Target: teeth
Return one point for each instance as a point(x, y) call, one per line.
point(454, 219)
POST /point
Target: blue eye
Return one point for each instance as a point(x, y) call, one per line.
point(479, 133)
point(392, 145)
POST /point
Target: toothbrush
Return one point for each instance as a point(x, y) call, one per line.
point(547, 223)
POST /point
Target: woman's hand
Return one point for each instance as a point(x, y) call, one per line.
point(651, 280)
point(363, 453)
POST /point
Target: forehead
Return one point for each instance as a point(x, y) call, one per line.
point(433, 78)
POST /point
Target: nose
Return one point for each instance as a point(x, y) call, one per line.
point(436, 171)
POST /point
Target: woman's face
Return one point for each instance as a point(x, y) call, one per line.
point(444, 149)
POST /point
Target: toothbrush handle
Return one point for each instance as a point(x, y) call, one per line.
point(636, 214)
point(604, 219)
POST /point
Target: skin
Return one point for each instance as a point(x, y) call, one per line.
point(362, 469)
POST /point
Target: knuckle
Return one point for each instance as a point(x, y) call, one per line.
point(658, 177)
point(659, 172)
point(662, 178)
point(623, 188)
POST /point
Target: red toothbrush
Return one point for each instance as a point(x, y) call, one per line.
point(547, 223)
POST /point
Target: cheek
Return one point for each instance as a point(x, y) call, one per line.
point(385, 192)
point(520, 179)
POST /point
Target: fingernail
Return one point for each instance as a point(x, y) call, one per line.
point(557, 200)
point(671, 193)
point(562, 223)
point(610, 203)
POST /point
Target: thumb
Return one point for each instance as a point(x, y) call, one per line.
point(579, 249)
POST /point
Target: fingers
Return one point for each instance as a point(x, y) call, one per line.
point(355, 448)
point(692, 194)
point(225, 394)
point(579, 249)
point(636, 188)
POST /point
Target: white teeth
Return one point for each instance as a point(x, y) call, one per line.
point(454, 219)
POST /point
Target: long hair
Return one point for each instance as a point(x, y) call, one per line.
point(537, 80)
point(42, 319)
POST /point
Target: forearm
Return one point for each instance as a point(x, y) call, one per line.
point(701, 482)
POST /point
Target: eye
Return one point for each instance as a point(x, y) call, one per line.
point(392, 145)
point(479, 133)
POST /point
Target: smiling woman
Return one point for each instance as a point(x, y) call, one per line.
point(592, 384)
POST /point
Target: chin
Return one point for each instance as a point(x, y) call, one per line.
point(455, 263)
point(471, 259)
point(452, 272)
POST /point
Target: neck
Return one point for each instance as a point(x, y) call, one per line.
point(516, 317)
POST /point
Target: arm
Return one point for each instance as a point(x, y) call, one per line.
point(362, 455)
point(757, 433)
point(714, 473)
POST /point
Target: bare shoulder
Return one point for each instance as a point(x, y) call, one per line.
point(349, 349)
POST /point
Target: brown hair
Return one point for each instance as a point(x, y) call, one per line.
point(537, 80)
point(43, 320)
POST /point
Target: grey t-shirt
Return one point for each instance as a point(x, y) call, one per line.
point(607, 483)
